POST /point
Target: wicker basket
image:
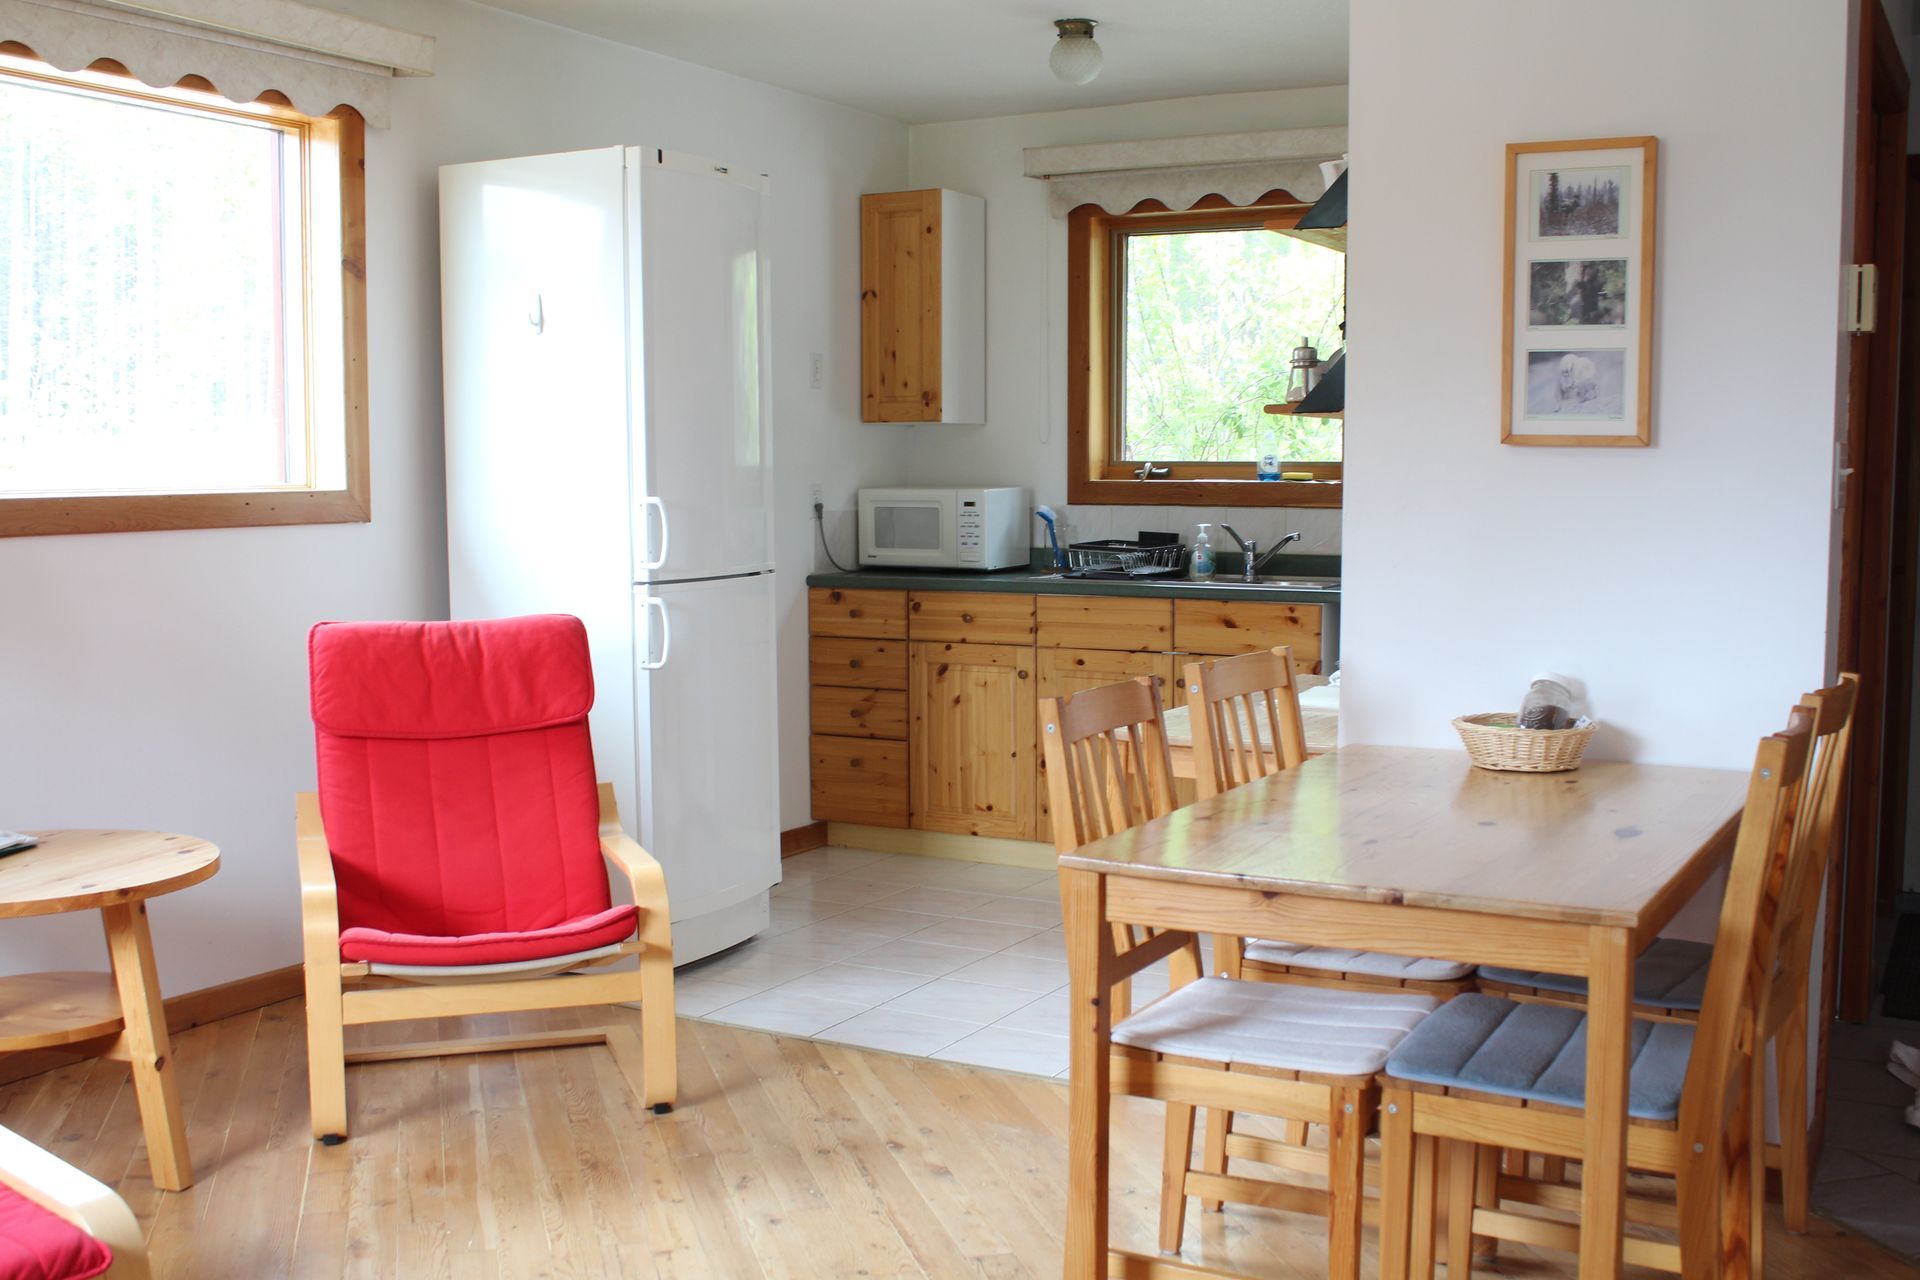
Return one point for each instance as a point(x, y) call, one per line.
point(1493, 741)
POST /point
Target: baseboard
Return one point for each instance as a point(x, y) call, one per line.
point(940, 844)
point(800, 839)
point(184, 1011)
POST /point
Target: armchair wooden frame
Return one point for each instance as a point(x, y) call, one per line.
point(1712, 1149)
point(85, 1201)
point(342, 993)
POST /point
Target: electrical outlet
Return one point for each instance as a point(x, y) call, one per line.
point(817, 372)
point(817, 500)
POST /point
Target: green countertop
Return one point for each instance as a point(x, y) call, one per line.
point(1044, 581)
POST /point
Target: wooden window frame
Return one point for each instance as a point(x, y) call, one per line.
point(1094, 476)
point(334, 140)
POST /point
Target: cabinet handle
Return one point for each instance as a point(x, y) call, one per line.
point(966, 617)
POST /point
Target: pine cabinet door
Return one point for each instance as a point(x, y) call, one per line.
point(971, 744)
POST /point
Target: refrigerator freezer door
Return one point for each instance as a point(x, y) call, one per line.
point(700, 420)
point(708, 808)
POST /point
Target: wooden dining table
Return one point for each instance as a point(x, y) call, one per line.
point(1416, 852)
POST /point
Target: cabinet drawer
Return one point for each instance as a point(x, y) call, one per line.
point(970, 617)
point(1103, 622)
point(860, 713)
point(859, 780)
point(879, 615)
point(857, 664)
point(1224, 627)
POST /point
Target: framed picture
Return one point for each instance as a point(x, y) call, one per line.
point(1576, 365)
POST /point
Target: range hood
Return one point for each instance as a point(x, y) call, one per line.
point(1329, 395)
point(1326, 223)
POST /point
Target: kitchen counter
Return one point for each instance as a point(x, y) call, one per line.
point(1043, 581)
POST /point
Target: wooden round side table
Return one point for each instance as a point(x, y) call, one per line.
point(113, 872)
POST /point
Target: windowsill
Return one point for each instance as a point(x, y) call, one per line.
point(136, 512)
point(1206, 493)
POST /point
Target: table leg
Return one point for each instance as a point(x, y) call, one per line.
point(131, 947)
point(1603, 1174)
point(1089, 951)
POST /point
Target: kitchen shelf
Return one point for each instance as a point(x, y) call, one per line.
point(1290, 409)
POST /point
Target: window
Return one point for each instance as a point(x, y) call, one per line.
point(1181, 329)
point(182, 323)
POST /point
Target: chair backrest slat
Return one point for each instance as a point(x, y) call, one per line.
point(1746, 944)
point(1815, 823)
point(1108, 766)
point(1245, 718)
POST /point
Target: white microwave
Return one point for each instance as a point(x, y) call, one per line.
point(945, 528)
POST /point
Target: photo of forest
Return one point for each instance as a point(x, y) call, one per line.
point(1578, 202)
point(1582, 292)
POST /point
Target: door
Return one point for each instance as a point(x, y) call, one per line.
point(1873, 563)
point(1060, 673)
point(700, 417)
point(900, 306)
point(533, 331)
point(534, 339)
point(971, 743)
point(708, 783)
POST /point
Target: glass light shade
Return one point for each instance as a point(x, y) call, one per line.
point(1076, 56)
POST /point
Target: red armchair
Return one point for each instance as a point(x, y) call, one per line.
point(451, 861)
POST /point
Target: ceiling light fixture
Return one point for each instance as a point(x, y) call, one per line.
point(1076, 54)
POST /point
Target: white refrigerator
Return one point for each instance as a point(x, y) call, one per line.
point(604, 321)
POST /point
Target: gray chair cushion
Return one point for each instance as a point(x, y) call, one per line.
point(1670, 974)
point(1330, 1030)
point(1538, 1052)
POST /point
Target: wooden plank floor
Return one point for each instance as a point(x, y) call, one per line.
point(786, 1158)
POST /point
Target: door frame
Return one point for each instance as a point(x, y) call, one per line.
point(1876, 581)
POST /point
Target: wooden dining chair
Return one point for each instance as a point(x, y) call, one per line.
point(1510, 1073)
point(1118, 773)
point(1670, 976)
point(1245, 714)
point(1303, 1054)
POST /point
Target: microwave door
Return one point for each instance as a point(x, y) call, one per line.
point(909, 531)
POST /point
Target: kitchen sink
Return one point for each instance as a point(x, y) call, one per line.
point(1267, 583)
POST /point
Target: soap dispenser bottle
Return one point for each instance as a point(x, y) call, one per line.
point(1200, 564)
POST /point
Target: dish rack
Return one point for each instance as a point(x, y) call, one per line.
point(1134, 558)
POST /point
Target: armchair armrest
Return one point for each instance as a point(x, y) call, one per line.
point(319, 894)
point(87, 1203)
point(642, 871)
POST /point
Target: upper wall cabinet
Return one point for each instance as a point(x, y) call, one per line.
point(923, 307)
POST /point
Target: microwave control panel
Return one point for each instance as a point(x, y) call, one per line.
point(972, 532)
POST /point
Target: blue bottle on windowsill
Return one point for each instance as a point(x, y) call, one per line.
point(1268, 468)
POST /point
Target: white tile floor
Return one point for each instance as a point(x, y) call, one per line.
point(962, 961)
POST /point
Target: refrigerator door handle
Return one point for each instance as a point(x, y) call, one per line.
point(666, 536)
point(650, 663)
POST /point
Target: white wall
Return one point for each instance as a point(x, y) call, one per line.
point(159, 680)
point(1024, 438)
point(1685, 583)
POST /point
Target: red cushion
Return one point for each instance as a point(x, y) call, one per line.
point(449, 679)
point(456, 775)
point(38, 1245)
point(602, 929)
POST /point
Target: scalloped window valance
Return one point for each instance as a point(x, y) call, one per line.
point(1179, 171)
point(318, 58)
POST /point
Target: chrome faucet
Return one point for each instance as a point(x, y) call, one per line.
point(1254, 556)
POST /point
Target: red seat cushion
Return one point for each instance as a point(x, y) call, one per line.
point(456, 779)
point(38, 1245)
point(602, 929)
